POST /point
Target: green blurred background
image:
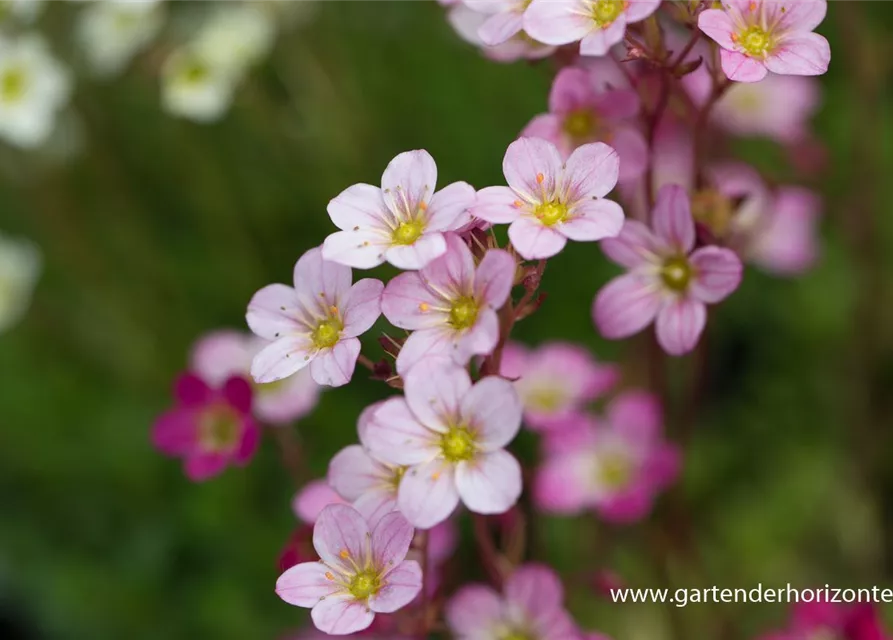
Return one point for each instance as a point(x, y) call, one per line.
point(160, 230)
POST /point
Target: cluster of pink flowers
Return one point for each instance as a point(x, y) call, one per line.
point(618, 160)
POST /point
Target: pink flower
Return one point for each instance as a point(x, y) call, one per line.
point(361, 478)
point(209, 428)
point(758, 36)
point(362, 571)
point(451, 435)
point(313, 497)
point(549, 201)
point(450, 305)
point(616, 467)
point(597, 24)
point(401, 223)
point(467, 22)
point(580, 112)
point(828, 620)
point(784, 241)
point(668, 280)
point(222, 354)
point(315, 323)
point(555, 381)
point(530, 607)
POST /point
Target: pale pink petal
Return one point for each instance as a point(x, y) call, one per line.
point(418, 254)
point(437, 342)
point(535, 241)
point(679, 325)
point(320, 280)
point(493, 410)
point(361, 307)
point(377, 503)
point(799, 15)
point(592, 220)
point(313, 498)
point(341, 615)
point(625, 306)
point(548, 127)
point(201, 466)
point(408, 181)
point(282, 358)
point(531, 167)
point(718, 26)
point(787, 242)
point(590, 172)
point(494, 278)
point(557, 21)
point(633, 247)
point(408, 304)
point(473, 610)
point(572, 90)
point(490, 483)
point(271, 311)
point(741, 68)
point(500, 27)
point(562, 483)
point(390, 540)
point(395, 435)
point(803, 54)
point(399, 587)
point(617, 104)
point(672, 220)
point(360, 249)
point(360, 205)
point(632, 150)
point(453, 273)
point(637, 10)
point(478, 340)
point(427, 495)
point(305, 584)
point(448, 209)
point(352, 472)
point(221, 354)
point(434, 390)
point(340, 536)
point(599, 41)
point(637, 416)
point(334, 367)
point(535, 589)
point(367, 417)
point(496, 205)
point(289, 401)
point(717, 273)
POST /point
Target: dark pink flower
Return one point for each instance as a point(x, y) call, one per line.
point(209, 428)
point(821, 620)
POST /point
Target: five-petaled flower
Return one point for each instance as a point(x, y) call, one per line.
point(403, 222)
point(315, 323)
point(758, 36)
point(597, 24)
point(668, 278)
point(362, 571)
point(549, 201)
point(451, 435)
point(209, 427)
point(450, 305)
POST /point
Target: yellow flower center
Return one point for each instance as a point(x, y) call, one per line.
point(676, 273)
point(545, 398)
point(580, 124)
point(550, 213)
point(327, 334)
point(364, 584)
point(755, 41)
point(13, 84)
point(219, 429)
point(605, 12)
point(399, 472)
point(457, 444)
point(408, 232)
point(194, 72)
point(615, 472)
point(463, 313)
point(713, 209)
point(515, 635)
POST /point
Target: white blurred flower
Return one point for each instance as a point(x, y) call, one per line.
point(237, 36)
point(195, 88)
point(33, 88)
point(19, 269)
point(112, 32)
point(25, 11)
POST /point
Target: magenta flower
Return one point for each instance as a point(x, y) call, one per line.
point(209, 428)
point(401, 223)
point(667, 280)
point(222, 354)
point(362, 571)
point(450, 305)
point(531, 607)
point(549, 201)
point(597, 24)
point(581, 112)
point(316, 323)
point(451, 435)
point(361, 478)
point(828, 620)
point(555, 381)
point(758, 36)
point(616, 466)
